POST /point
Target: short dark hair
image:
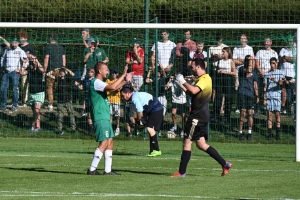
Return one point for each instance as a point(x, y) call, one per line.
point(199, 62)
point(98, 66)
point(247, 61)
point(127, 88)
point(273, 59)
point(53, 36)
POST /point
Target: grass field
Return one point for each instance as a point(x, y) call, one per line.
point(37, 168)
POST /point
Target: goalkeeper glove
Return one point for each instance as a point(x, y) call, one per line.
point(180, 79)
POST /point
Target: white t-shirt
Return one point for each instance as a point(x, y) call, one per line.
point(264, 57)
point(99, 85)
point(213, 50)
point(288, 68)
point(240, 52)
point(165, 50)
point(225, 65)
point(178, 95)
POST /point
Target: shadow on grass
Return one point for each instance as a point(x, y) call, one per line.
point(80, 173)
point(40, 170)
point(143, 172)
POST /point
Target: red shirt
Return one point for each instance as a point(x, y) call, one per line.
point(191, 45)
point(138, 69)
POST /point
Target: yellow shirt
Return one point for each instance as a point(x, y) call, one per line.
point(115, 96)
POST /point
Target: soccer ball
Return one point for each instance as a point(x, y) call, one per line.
point(171, 135)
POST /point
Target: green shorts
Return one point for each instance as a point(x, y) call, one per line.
point(103, 130)
point(36, 98)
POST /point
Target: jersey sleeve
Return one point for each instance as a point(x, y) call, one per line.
point(99, 85)
point(137, 102)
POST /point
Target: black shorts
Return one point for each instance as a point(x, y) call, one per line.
point(155, 119)
point(181, 108)
point(245, 102)
point(195, 130)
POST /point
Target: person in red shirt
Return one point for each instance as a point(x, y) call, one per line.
point(135, 60)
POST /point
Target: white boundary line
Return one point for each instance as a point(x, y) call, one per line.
point(15, 193)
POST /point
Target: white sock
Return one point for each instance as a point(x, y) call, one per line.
point(108, 160)
point(249, 131)
point(96, 159)
point(240, 132)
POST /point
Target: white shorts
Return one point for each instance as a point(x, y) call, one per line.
point(138, 81)
point(164, 102)
point(115, 109)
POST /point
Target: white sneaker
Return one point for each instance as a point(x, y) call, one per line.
point(174, 128)
point(50, 107)
point(237, 111)
point(117, 132)
point(182, 134)
point(23, 105)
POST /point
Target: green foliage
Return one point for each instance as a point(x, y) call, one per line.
point(168, 11)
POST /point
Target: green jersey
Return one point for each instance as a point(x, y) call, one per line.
point(99, 100)
point(97, 56)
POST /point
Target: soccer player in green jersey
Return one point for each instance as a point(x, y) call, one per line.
point(101, 116)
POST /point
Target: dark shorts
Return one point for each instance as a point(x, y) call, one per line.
point(181, 108)
point(195, 130)
point(88, 109)
point(245, 102)
point(155, 119)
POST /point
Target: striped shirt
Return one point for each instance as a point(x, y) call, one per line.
point(12, 59)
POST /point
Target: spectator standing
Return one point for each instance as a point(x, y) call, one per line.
point(215, 54)
point(199, 53)
point(114, 98)
point(178, 102)
point(86, 37)
point(36, 97)
point(262, 64)
point(224, 84)
point(247, 94)
point(273, 81)
point(135, 60)
point(29, 50)
point(87, 101)
point(238, 56)
point(166, 52)
point(55, 57)
point(92, 55)
point(287, 57)
point(12, 60)
point(183, 51)
point(64, 97)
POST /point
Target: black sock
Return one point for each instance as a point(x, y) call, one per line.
point(215, 155)
point(269, 131)
point(277, 130)
point(154, 142)
point(185, 158)
point(151, 146)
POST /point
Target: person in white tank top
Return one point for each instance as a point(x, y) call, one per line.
point(224, 84)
